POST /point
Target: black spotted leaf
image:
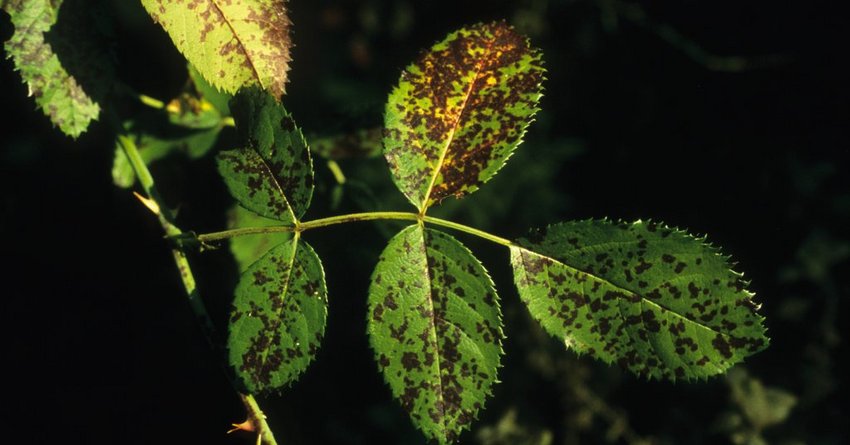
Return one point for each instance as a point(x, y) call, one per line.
point(279, 316)
point(435, 326)
point(65, 70)
point(460, 110)
point(233, 44)
point(653, 299)
point(272, 175)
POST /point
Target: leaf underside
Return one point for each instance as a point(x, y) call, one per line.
point(435, 326)
point(279, 316)
point(273, 174)
point(58, 92)
point(652, 299)
point(232, 43)
point(460, 110)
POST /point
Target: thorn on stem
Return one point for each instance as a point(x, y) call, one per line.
point(149, 203)
point(247, 425)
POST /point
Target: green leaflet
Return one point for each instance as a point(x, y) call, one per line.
point(460, 110)
point(232, 43)
point(653, 299)
point(194, 144)
point(435, 326)
point(248, 249)
point(273, 175)
point(209, 93)
point(279, 317)
point(359, 144)
point(189, 124)
point(63, 88)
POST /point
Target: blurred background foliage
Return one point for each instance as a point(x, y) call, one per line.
point(725, 118)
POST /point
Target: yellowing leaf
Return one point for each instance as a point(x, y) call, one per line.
point(232, 43)
point(65, 98)
point(459, 111)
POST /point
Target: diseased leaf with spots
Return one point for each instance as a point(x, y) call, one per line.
point(273, 174)
point(233, 43)
point(62, 66)
point(279, 316)
point(460, 110)
point(653, 299)
point(436, 329)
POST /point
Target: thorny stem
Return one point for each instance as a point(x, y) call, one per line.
point(352, 217)
point(255, 414)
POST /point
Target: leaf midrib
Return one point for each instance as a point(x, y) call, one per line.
point(438, 359)
point(277, 321)
point(479, 66)
point(627, 291)
point(239, 41)
point(275, 181)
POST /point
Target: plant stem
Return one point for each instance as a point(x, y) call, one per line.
point(470, 230)
point(264, 433)
point(151, 102)
point(352, 217)
point(187, 278)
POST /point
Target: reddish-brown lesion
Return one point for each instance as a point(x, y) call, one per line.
point(456, 145)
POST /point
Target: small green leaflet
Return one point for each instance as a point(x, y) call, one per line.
point(273, 174)
point(209, 93)
point(189, 124)
point(61, 96)
point(279, 316)
point(460, 110)
point(233, 44)
point(247, 250)
point(653, 299)
point(436, 329)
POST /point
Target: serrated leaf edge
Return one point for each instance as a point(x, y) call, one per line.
point(702, 240)
point(496, 303)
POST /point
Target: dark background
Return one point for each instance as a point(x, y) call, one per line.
point(725, 118)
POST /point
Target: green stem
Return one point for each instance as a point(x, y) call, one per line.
point(352, 217)
point(339, 176)
point(187, 277)
point(264, 433)
point(470, 230)
point(151, 102)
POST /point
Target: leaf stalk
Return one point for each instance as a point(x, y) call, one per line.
point(349, 218)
